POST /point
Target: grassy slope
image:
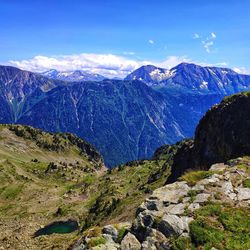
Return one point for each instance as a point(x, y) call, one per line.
point(32, 190)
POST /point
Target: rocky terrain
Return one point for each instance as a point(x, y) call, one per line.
point(222, 134)
point(204, 210)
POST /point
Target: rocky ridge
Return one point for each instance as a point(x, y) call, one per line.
point(222, 134)
point(170, 215)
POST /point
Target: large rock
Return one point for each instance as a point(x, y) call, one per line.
point(110, 230)
point(171, 225)
point(130, 242)
point(243, 194)
point(171, 194)
point(201, 198)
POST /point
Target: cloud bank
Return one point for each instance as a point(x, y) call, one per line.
point(108, 65)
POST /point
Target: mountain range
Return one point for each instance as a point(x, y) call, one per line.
point(124, 119)
point(72, 76)
point(192, 77)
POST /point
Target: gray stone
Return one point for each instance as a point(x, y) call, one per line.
point(212, 179)
point(193, 206)
point(110, 230)
point(174, 225)
point(243, 194)
point(175, 209)
point(228, 190)
point(218, 167)
point(186, 220)
point(130, 242)
point(171, 194)
point(153, 204)
point(186, 199)
point(108, 238)
point(148, 244)
point(107, 246)
point(201, 198)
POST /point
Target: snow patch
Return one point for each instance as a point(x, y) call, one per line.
point(204, 85)
point(160, 75)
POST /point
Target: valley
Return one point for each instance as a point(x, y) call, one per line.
point(56, 177)
point(124, 119)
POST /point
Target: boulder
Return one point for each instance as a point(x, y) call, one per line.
point(110, 230)
point(171, 193)
point(193, 206)
point(130, 242)
point(201, 198)
point(176, 209)
point(174, 225)
point(243, 194)
point(218, 167)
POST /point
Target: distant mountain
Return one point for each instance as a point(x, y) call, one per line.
point(16, 86)
point(73, 76)
point(192, 77)
point(149, 74)
point(124, 119)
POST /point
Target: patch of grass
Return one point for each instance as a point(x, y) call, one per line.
point(93, 242)
point(236, 220)
point(89, 179)
point(11, 192)
point(246, 183)
point(182, 243)
point(121, 233)
point(203, 233)
point(222, 227)
point(193, 177)
point(244, 167)
point(192, 194)
point(209, 210)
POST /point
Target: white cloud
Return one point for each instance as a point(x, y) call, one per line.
point(172, 61)
point(128, 53)
point(108, 65)
point(196, 36)
point(207, 45)
point(209, 42)
point(242, 70)
point(151, 41)
point(213, 35)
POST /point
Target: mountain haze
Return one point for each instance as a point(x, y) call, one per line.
point(124, 119)
point(72, 76)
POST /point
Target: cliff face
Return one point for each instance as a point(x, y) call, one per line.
point(222, 134)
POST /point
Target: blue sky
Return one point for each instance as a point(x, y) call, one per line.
point(116, 36)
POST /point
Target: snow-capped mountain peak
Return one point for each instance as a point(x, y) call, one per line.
point(73, 76)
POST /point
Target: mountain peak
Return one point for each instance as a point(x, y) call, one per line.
point(149, 74)
point(72, 76)
point(193, 77)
